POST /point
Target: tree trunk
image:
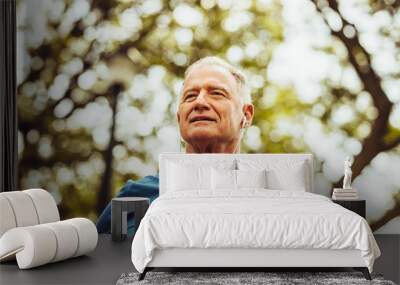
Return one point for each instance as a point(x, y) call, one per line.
point(104, 194)
point(374, 143)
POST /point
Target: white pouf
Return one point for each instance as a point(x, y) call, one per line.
point(31, 231)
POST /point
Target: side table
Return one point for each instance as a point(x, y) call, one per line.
point(357, 206)
point(120, 208)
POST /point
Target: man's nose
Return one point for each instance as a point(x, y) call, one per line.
point(201, 99)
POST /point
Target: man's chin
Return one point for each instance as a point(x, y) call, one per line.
point(198, 136)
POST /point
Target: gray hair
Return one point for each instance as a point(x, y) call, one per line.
point(241, 79)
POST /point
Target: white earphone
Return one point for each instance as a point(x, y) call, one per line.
point(244, 122)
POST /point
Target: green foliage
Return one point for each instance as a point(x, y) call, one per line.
point(66, 95)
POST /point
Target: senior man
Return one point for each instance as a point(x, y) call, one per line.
point(214, 108)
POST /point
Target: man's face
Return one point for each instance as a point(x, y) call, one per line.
point(210, 109)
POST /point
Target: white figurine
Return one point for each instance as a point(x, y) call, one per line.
point(347, 173)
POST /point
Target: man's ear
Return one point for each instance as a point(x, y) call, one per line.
point(248, 111)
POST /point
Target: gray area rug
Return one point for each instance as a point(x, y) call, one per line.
point(228, 278)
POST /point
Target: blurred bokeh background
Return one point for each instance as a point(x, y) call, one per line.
point(98, 82)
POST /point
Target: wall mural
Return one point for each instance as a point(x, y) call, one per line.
point(98, 83)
